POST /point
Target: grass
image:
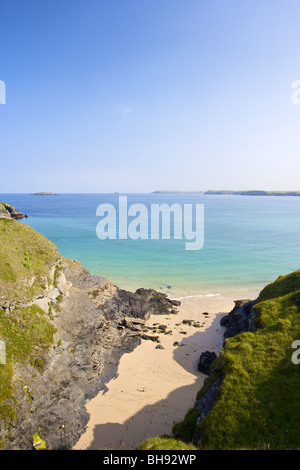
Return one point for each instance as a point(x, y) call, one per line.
point(27, 334)
point(24, 259)
point(259, 403)
point(165, 442)
point(27, 331)
point(186, 429)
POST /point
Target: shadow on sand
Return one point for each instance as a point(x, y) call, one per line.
point(158, 418)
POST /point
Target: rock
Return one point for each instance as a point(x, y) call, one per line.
point(151, 338)
point(204, 405)
point(135, 324)
point(9, 212)
point(159, 346)
point(224, 320)
point(174, 312)
point(240, 319)
point(135, 327)
point(139, 321)
point(176, 303)
point(147, 302)
point(194, 323)
point(205, 361)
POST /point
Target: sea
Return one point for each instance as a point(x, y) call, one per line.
point(248, 241)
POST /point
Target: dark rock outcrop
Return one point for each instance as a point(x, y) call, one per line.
point(205, 403)
point(205, 361)
point(240, 319)
point(9, 212)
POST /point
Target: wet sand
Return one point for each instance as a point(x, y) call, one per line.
point(155, 388)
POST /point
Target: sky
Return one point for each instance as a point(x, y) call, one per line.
point(144, 95)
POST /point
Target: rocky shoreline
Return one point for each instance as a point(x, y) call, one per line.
point(88, 313)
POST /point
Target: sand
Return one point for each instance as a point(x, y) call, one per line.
point(155, 388)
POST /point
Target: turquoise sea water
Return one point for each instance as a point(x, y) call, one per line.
point(249, 241)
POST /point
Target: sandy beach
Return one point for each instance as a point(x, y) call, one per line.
point(155, 388)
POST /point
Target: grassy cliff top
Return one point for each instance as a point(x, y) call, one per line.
point(25, 257)
point(282, 286)
point(259, 403)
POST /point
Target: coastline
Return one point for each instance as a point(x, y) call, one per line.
point(154, 388)
point(91, 346)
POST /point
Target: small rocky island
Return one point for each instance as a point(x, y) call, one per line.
point(44, 194)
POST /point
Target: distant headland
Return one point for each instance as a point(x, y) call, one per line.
point(239, 193)
point(256, 193)
point(177, 192)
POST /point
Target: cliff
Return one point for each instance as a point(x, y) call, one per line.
point(63, 332)
point(9, 212)
point(250, 399)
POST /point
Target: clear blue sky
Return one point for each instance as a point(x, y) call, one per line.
point(139, 95)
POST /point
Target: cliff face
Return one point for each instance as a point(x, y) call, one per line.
point(9, 212)
point(241, 319)
point(62, 328)
point(251, 398)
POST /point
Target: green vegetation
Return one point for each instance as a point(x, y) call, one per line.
point(27, 334)
point(27, 331)
point(24, 256)
point(38, 442)
point(50, 305)
point(57, 272)
point(186, 429)
point(59, 298)
point(258, 404)
point(165, 442)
